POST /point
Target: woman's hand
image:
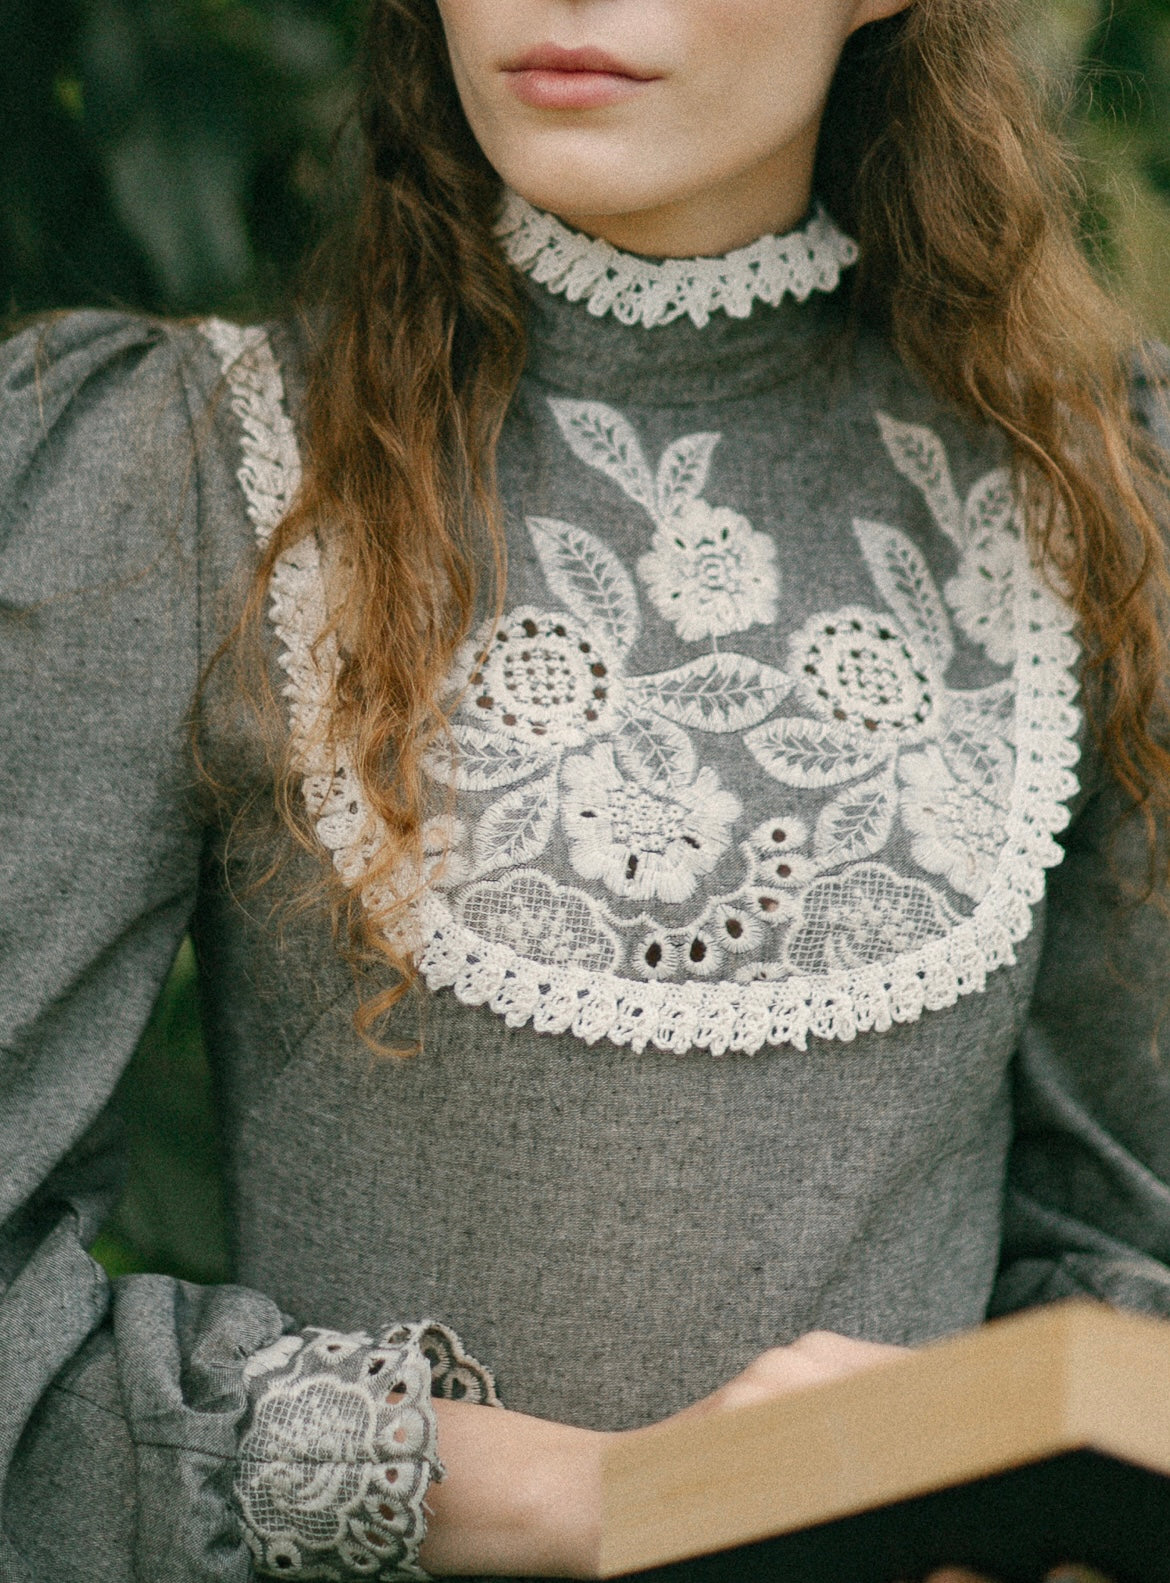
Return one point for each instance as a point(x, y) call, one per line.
point(523, 1496)
point(814, 1358)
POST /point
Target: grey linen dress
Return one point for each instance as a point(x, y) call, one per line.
point(780, 975)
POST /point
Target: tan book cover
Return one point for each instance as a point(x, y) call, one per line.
point(1036, 1439)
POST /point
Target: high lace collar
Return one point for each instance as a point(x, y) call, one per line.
point(652, 292)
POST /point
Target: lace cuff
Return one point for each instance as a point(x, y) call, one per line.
point(340, 1448)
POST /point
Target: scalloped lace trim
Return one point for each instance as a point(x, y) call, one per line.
point(649, 292)
point(719, 1016)
point(340, 1448)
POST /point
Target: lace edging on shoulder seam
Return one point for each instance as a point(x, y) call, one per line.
point(719, 1017)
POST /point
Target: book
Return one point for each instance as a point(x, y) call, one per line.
point(1037, 1439)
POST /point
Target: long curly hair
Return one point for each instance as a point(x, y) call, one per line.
point(936, 154)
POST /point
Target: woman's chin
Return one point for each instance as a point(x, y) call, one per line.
point(580, 196)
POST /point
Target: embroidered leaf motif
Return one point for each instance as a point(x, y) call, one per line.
point(918, 455)
point(857, 823)
point(516, 829)
point(720, 692)
point(479, 760)
point(654, 751)
point(814, 753)
point(602, 438)
point(990, 506)
point(990, 711)
point(589, 579)
point(984, 761)
point(904, 581)
point(682, 472)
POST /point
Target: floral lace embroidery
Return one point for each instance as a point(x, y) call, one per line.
point(339, 1450)
point(639, 291)
point(557, 736)
point(708, 572)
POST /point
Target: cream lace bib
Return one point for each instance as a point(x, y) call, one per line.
point(890, 867)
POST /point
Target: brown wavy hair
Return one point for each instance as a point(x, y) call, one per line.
point(935, 153)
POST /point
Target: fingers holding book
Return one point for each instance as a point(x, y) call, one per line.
point(812, 1359)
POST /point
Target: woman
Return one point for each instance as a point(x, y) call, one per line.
point(676, 625)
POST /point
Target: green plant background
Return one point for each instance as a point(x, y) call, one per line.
point(177, 155)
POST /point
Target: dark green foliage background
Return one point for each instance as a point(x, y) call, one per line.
point(166, 154)
point(177, 155)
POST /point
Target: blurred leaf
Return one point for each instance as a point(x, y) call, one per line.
point(182, 199)
point(117, 1257)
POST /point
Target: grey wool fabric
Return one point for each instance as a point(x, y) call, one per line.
point(612, 1222)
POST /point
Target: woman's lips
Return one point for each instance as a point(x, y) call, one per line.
point(553, 78)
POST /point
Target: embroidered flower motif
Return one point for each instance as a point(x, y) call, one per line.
point(773, 903)
point(985, 528)
point(542, 921)
point(643, 842)
point(537, 684)
point(866, 914)
point(858, 667)
point(775, 856)
point(874, 685)
point(338, 1453)
point(703, 952)
point(710, 573)
point(957, 829)
point(332, 1347)
point(320, 1483)
point(768, 901)
point(782, 833)
point(532, 685)
point(543, 678)
point(655, 956)
point(737, 927)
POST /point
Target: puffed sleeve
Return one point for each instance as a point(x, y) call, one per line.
point(1087, 1208)
point(149, 1428)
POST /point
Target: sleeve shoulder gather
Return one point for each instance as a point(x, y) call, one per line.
point(96, 452)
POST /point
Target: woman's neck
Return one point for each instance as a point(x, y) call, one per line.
point(772, 197)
